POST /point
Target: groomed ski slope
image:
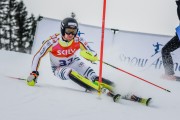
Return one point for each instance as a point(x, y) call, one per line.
point(54, 99)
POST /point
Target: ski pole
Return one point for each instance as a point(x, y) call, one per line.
point(16, 78)
point(136, 76)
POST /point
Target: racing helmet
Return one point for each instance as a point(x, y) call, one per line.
point(69, 23)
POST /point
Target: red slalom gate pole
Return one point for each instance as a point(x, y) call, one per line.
point(102, 45)
point(137, 77)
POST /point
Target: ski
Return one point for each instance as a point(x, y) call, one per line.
point(16, 78)
point(116, 98)
point(140, 100)
point(130, 97)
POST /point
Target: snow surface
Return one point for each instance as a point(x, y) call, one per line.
point(55, 99)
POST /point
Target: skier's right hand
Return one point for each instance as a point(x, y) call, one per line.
point(88, 55)
point(32, 79)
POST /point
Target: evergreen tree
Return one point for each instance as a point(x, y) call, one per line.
point(25, 29)
point(3, 8)
point(16, 29)
point(32, 23)
point(11, 22)
point(22, 27)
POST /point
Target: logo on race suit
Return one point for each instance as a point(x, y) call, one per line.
point(48, 43)
point(76, 39)
point(42, 51)
point(45, 47)
point(66, 52)
point(81, 64)
point(55, 40)
point(85, 43)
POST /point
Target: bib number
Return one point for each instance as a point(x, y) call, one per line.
point(66, 62)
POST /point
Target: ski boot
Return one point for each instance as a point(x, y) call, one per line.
point(141, 100)
point(115, 97)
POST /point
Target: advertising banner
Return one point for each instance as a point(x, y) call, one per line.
point(124, 49)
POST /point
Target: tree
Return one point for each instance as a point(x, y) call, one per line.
point(32, 23)
point(10, 23)
point(21, 30)
point(25, 28)
point(16, 28)
point(3, 7)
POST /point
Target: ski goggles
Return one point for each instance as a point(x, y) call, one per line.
point(70, 31)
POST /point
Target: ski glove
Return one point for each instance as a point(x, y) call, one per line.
point(32, 79)
point(89, 56)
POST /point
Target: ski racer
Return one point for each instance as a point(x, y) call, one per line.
point(66, 64)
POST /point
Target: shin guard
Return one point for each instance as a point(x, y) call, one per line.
point(82, 81)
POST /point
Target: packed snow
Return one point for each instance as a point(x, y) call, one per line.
point(55, 99)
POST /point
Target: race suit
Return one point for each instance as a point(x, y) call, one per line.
point(63, 57)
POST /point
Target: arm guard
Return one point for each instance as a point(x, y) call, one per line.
point(89, 55)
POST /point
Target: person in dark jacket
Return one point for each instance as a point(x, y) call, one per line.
point(169, 47)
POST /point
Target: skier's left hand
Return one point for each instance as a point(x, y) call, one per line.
point(32, 79)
